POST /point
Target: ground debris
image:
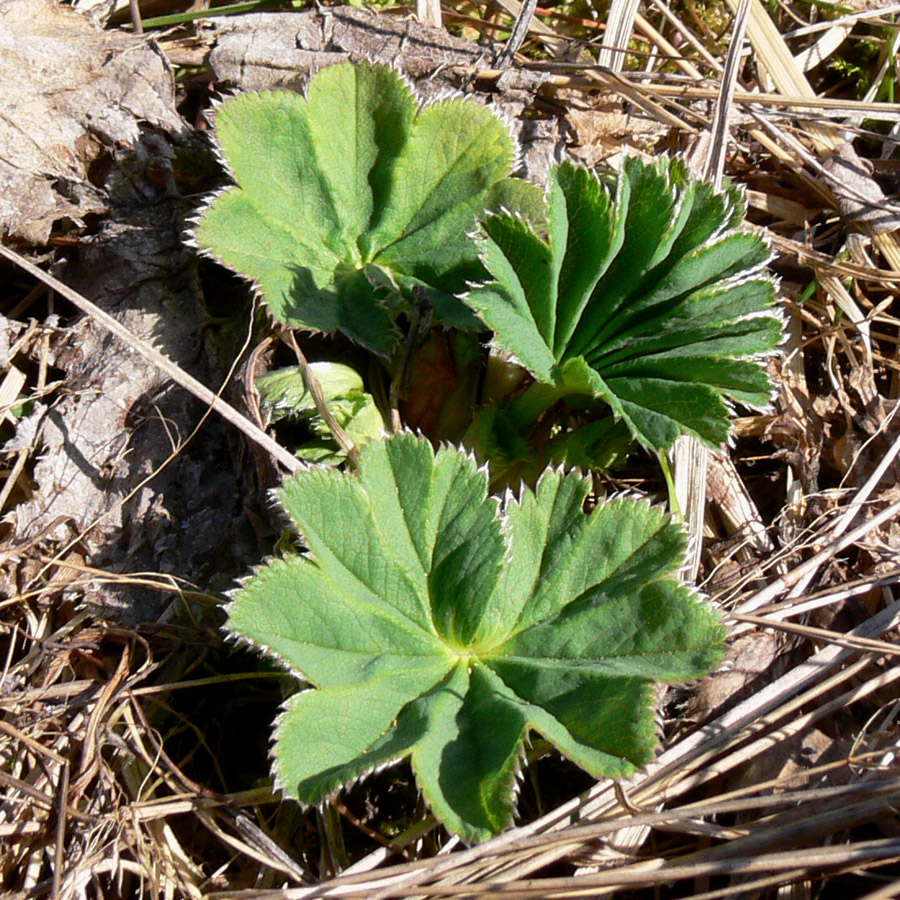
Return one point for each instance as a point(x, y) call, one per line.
point(72, 94)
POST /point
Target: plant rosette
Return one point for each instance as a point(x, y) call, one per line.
point(429, 620)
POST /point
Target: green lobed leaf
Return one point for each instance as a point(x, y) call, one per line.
point(353, 191)
point(652, 294)
point(433, 623)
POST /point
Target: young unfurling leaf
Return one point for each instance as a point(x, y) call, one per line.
point(432, 622)
point(649, 297)
point(283, 394)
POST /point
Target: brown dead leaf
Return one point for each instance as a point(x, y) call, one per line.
point(71, 93)
point(603, 125)
point(753, 660)
point(790, 761)
point(277, 50)
point(860, 197)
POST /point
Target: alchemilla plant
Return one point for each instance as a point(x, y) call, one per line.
point(429, 618)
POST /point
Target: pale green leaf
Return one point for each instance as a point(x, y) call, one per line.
point(283, 394)
point(353, 192)
point(433, 623)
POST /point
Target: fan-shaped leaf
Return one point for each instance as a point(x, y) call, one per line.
point(352, 190)
point(435, 624)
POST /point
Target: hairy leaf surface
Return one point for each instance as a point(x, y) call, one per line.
point(433, 623)
point(651, 298)
point(351, 193)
